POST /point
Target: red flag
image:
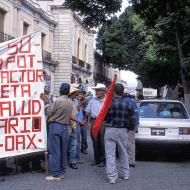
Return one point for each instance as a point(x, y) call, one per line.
point(107, 103)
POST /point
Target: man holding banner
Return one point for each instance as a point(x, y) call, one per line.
point(59, 115)
point(120, 118)
point(93, 108)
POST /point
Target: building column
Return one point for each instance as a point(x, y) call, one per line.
point(15, 28)
point(62, 48)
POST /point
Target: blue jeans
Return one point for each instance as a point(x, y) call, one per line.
point(72, 153)
point(57, 148)
point(78, 142)
point(84, 144)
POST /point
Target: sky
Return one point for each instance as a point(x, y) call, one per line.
point(124, 5)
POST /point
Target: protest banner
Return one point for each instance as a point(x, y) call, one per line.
point(22, 118)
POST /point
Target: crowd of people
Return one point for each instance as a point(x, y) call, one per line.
point(70, 116)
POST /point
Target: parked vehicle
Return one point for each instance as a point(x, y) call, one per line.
point(164, 125)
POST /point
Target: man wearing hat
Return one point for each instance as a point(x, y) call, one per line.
point(59, 115)
point(131, 134)
point(93, 108)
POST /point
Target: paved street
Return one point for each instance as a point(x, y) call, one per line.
point(152, 173)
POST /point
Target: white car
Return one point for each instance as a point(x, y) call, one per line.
point(164, 125)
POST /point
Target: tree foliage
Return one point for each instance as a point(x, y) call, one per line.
point(172, 20)
point(128, 43)
point(117, 41)
point(94, 12)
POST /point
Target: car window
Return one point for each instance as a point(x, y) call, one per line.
point(162, 110)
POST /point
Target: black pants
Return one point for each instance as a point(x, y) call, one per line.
point(84, 144)
point(98, 145)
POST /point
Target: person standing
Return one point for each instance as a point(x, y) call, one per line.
point(59, 115)
point(72, 150)
point(93, 108)
point(81, 130)
point(119, 119)
point(131, 133)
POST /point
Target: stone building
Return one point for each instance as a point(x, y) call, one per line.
point(103, 73)
point(22, 17)
point(67, 44)
point(73, 45)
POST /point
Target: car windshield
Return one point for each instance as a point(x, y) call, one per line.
point(173, 110)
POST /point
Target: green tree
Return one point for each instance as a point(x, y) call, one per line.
point(120, 45)
point(94, 12)
point(128, 44)
point(172, 19)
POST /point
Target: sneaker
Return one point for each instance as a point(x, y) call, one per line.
point(95, 163)
point(101, 165)
point(80, 162)
point(132, 165)
point(73, 166)
point(111, 181)
point(84, 152)
point(51, 178)
point(125, 178)
point(62, 177)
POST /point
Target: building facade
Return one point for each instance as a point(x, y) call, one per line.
point(103, 73)
point(73, 45)
point(22, 17)
point(68, 46)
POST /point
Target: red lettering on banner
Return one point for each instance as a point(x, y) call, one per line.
point(4, 126)
point(20, 109)
point(4, 75)
point(33, 76)
point(13, 123)
point(1, 63)
point(10, 59)
point(14, 48)
point(20, 140)
point(9, 143)
point(36, 107)
point(39, 76)
point(25, 43)
point(31, 139)
point(31, 60)
point(22, 74)
point(4, 91)
point(11, 76)
point(15, 113)
point(21, 59)
point(15, 87)
point(36, 124)
point(25, 89)
point(5, 106)
point(25, 130)
point(26, 106)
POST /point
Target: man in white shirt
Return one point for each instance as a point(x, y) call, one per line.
point(93, 108)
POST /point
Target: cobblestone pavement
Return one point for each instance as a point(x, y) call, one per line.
point(160, 173)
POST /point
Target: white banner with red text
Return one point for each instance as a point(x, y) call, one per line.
point(22, 118)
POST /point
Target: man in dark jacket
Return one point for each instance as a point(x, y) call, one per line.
point(120, 119)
